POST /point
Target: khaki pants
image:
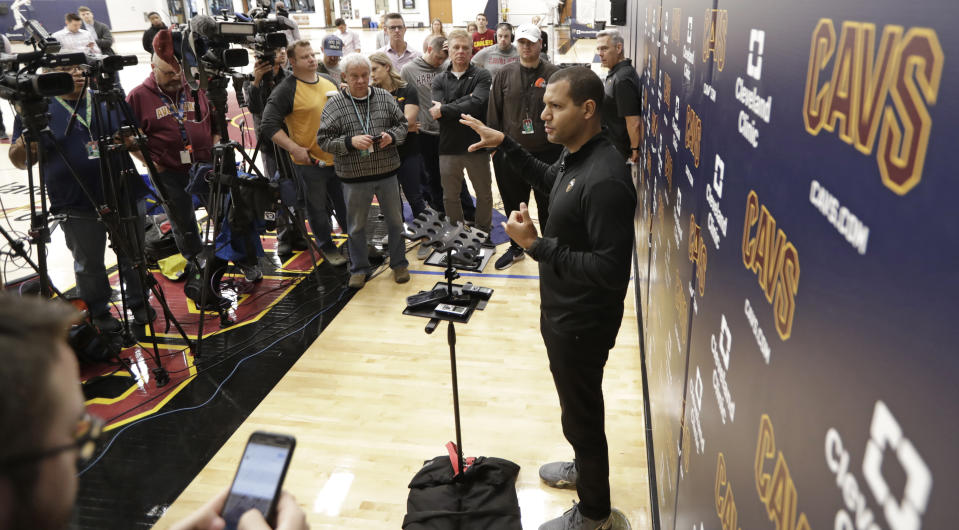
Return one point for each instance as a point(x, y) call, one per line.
point(477, 167)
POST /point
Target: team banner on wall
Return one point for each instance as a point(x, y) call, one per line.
point(801, 279)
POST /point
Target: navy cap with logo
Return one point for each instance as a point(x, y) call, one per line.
point(332, 45)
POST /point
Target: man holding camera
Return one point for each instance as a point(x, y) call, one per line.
point(297, 105)
point(361, 126)
point(181, 133)
point(67, 189)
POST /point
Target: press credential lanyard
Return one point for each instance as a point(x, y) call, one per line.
point(178, 112)
point(93, 150)
point(366, 126)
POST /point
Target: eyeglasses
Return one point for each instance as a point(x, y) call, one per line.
point(395, 28)
point(87, 432)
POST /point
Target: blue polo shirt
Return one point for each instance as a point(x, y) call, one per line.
point(62, 188)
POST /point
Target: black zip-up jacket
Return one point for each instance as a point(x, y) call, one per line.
point(467, 95)
point(585, 251)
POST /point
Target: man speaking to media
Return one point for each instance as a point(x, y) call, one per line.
point(584, 259)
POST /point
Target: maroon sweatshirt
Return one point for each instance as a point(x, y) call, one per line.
point(158, 120)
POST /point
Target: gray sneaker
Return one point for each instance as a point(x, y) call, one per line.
point(559, 474)
point(574, 520)
point(334, 257)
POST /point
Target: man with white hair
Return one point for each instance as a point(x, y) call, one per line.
point(361, 127)
point(621, 108)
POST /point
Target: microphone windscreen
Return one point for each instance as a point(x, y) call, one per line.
point(203, 25)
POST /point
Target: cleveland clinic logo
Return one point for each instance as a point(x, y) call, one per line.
point(886, 439)
point(754, 62)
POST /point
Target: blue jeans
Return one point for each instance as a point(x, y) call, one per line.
point(316, 184)
point(359, 195)
point(86, 238)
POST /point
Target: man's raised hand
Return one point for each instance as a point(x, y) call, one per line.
point(488, 137)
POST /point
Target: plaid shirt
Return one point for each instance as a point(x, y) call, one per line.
point(341, 122)
point(76, 42)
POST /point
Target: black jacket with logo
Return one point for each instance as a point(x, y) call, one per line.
point(468, 94)
point(585, 252)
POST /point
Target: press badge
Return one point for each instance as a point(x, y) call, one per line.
point(93, 150)
point(527, 126)
point(185, 156)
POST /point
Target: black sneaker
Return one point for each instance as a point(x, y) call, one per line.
point(511, 256)
point(488, 243)
point(144, 314)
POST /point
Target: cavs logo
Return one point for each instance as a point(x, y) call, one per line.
point(570, 185)
point(774, 260)
point(694, 133)
point(714, 36)
point(667, 88)
point(854, 101)
point(674, 30)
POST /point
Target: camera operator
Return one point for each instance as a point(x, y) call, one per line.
point(85, 235)
point(168, 115)
point(266, 76)
point(297, 105)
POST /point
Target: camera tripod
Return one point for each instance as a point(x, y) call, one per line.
point(224, 178)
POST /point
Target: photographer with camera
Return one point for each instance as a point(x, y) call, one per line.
point(84, 233)
point(266, 76)
point(169, 116)
point(296, 105)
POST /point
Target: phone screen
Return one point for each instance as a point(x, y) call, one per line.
point(257, 480)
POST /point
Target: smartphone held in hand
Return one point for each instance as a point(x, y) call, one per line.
point(259, 478)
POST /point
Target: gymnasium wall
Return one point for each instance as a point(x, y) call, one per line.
point(797, 261)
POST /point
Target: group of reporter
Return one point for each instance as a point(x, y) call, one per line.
point(416, 128)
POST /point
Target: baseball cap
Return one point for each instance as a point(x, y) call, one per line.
point(332, 45)
point(529, 32)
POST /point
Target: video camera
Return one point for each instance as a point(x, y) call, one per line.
point(205, 51)
point(21, 82)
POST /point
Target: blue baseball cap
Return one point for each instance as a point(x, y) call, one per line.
point(332, 45)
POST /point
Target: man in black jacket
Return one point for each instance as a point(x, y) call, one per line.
point(584, 262)
point(515, 105)
point(462, 89)
point(156, 24)
point(101, 32)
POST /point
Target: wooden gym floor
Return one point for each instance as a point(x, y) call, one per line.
point(370, 401)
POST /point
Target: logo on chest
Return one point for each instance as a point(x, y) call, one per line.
point(165, 110)
point(570, 185)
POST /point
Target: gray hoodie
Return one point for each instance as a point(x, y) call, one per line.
point(493, 58)
point(420, 74)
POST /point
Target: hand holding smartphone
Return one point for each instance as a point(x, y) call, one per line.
point(259, 477)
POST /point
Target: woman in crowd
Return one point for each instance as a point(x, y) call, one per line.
point(436, 29)
point(410, 174)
